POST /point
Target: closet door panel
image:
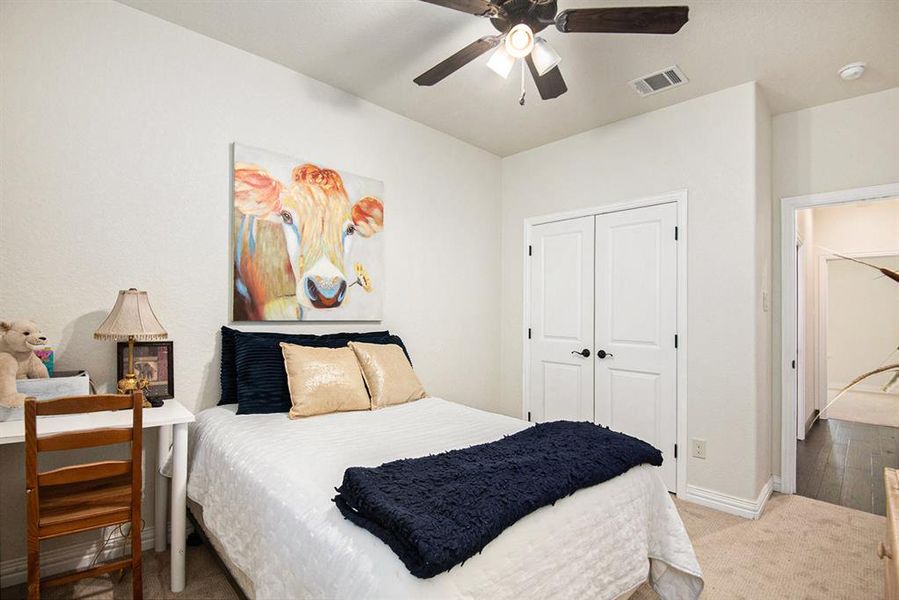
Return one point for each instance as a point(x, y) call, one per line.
point(561, 288)
point(636, 316)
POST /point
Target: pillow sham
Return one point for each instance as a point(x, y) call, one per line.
point(228, 373)
point(323, 380)
point(261, 379)
point(387, 373)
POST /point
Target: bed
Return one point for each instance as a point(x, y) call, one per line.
point(262, 487)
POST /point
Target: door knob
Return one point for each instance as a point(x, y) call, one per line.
point(585, 353)
point(603, 354)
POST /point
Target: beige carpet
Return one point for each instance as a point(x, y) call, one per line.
point(866, 407)
point(800, 548)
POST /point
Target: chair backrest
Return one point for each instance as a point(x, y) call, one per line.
point(84, 439)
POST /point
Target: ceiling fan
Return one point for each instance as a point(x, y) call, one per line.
point(519, 21)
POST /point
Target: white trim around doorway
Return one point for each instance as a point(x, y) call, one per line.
point(788, 283)
point(680, 198)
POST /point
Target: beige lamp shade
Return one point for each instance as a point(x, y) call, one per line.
point(131, 317)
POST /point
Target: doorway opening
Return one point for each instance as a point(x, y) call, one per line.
point(840, 322)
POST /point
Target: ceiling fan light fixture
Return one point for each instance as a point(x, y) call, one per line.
point(501, 62)
point(517, 23)
point(519, 41)
point(544, 57)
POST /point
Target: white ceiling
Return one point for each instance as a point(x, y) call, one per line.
point(374, 48)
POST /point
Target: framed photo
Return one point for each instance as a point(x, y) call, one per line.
point(153, 361)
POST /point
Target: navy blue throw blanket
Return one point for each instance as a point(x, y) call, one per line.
point(436, 511)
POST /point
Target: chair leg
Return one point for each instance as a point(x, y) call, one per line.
point(33, 540)
point(137, 586)
point(34, 568)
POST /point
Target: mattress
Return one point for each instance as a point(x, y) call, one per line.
point(266, 484)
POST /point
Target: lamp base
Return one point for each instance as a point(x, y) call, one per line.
point(131, 383)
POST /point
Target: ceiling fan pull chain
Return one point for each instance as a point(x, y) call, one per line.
point(521, 99)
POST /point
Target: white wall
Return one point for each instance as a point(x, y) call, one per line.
point(860, 227)
point(115, 146)
point(709, 146)
point(843, 145)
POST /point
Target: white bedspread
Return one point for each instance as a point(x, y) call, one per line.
point(266, 482)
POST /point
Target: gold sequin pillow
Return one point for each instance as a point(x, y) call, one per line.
point(323, 380)
point(388, 374)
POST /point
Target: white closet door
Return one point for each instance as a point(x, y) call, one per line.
point(636, 316)
point(561, 344)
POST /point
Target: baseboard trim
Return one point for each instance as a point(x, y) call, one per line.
point(68, 558)
point(777, 483)
point(741, 507)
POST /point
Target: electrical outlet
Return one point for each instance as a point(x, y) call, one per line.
point(697, 448)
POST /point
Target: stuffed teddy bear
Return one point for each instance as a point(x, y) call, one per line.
point(18, 340)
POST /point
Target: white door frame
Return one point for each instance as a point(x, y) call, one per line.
point(680, 198)
point(788, 333)
point(821, 337)
point(801, 350)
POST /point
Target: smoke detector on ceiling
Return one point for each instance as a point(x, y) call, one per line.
point(654, 83)
point(852, 71)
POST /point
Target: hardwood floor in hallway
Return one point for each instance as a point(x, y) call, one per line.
point(842, 462)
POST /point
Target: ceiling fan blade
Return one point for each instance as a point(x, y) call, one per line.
point(480, 8)
point(551, 85)
point(634, 19)
point(458, 60)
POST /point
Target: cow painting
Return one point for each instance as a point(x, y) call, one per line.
point(306, 241)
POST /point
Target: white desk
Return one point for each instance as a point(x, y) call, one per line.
point(171, 419)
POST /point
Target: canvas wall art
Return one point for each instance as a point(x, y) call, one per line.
point(307, 241)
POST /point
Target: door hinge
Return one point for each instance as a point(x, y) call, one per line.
point(675, 450)
point(675, 340)
point(529, 415)
point(675, 232)
point(530, 250)
point(529, 333)
point(794, 364)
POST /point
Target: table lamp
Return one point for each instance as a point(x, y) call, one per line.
point(131, 319)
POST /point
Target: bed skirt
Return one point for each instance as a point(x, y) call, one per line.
point(242, 579)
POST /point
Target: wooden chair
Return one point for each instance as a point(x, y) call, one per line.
point(86, 496)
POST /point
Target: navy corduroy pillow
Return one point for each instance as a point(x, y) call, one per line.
point(259, 364)
point(228, 371)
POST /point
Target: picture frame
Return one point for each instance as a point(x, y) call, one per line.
point(153, 361)
point(282, 270)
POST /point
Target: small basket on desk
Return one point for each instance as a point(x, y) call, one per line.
point(62, 383)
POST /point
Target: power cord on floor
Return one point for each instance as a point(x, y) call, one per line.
point(126, 537)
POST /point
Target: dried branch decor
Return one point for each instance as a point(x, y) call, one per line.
point(894, 367)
